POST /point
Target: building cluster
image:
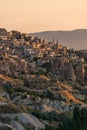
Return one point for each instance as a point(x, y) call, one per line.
point(22, 55)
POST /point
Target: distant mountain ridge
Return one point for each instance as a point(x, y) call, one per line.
point(76, 39)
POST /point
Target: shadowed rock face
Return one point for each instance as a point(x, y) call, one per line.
point(24, 119)
point(27, 119)
point(5, 127)
point(69, 72)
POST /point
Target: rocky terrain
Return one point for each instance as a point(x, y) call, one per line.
point(40, 82)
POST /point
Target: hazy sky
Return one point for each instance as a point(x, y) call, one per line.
point(41, 15)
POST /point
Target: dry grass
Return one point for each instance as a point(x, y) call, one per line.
point(70, 97)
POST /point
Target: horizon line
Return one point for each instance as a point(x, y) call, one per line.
point(60, 30)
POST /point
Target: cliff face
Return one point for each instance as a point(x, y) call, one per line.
point(69, 72)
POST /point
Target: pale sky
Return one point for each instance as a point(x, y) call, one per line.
point(42, 15)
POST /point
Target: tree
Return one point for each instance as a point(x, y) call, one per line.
point(76, 118)
point(83, 117)
point(76, 113)
point(36, 60)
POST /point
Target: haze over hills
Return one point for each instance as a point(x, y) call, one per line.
point(76, 39)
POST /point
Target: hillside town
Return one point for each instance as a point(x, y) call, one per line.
point(39, 81)
point(22, 55)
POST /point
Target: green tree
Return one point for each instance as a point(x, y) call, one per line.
point(76, 118)
point(83, 117)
